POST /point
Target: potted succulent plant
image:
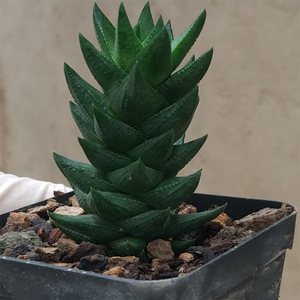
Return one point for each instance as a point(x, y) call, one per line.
point(133, 135)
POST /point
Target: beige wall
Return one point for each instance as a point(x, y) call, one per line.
point(250, 96)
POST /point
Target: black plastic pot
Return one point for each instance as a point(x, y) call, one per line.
point(250, 271)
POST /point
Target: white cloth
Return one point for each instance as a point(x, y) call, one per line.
point(17, 192)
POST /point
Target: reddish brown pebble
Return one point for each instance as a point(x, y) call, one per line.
point(186, 257)
point(122, 260)
point(160, 249)
point(185, 209)
point(54, 236)
point(117, 272)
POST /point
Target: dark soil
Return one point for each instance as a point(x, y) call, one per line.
point(30, 235)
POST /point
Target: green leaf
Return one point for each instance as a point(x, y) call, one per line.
point(97, 229)
point(183, 43)
point(170, 31)
point(116, 206)
point(145, 22)
point(84, 123)
point(182, 154)
point(149, 224)
point(103, 158)
point(115, 133)
point(135, 178)
point(75, 171)
point(154, 32)
point(134, 100)
point(181, 224)
point(154, 151)
point(83, 93)
point(155, 60)
point(186, 78)
point(180, 246)
point(180, 141)
point(128, 246)
point(127, 45)
point(105, 32)
point(171, 192)
point(176, 116)
point(83, 200)
point(106, 72)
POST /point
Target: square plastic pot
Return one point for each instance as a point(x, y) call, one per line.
point(250, 271)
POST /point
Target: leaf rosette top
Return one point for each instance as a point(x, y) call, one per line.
point(133, 134)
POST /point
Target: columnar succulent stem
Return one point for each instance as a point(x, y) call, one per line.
point(133, 134)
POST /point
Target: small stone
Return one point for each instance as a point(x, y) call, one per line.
point(185, 269)
point(263, 218)
point(15, 249)
point(69, 211)
point(185, 209)
point(157, 265)
point(84, 249)
point(50, 206)
point(38, 223)
point(122, 260)
point(186, 257)
point(117, 272)
point(66, 265)
point(220, 222)
point(66, 245)
point(94, 263)
point(49, 254)
point(160, 249)
point(73, 200)
point(33, 256)
point(54, 236)
point(17, 222)
point(29, 238)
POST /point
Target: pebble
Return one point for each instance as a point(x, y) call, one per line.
point(50, 206)
point(17, 222)
point(186, 257)
point(49, 254)
point(69, 211)
point(29, 238)
point(96, 263)
point(117, 272)
point(160, 249)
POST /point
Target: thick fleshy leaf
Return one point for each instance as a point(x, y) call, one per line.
point(128, 246)
point(170, 31)
point(115, 133)
point(135, 100)
point(154, 60)
point(154, 32)
point(116, 206)
point(83, 93)
point(154, 151)
point(145, 23)
point(94, 227)
point(106, 72)
point(83, 200)
point(176, 116)
point(182, 154)
point(171, 192)
point(127, 45)
point(84, 123)
point(149, 224)
point(180, 141)
point(75, 171)
point(181, 224)
point(105, 32)
point(103, 158)
point(180, 246)
point(183, 43)
point(184, 80)
point(135, 178)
